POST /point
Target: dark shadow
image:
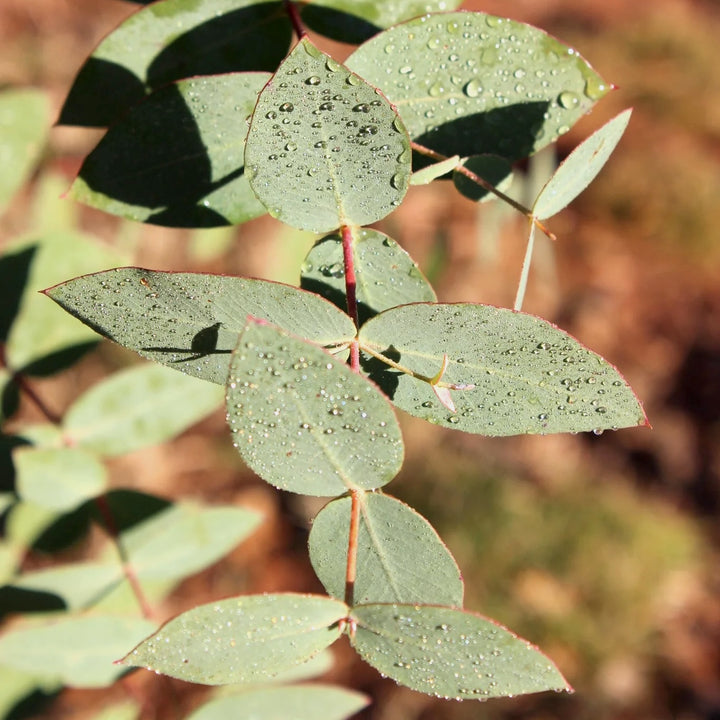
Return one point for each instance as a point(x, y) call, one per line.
point(58, 360)
point(128, 508)
point(338, 25)
point(14, 273)
point(32, 705)
point(204, 343)
point(509, 132)
point(7, 469)
point(9, 400)
point(336, 297)
point(22, 600)
point(384, 376)
point(67, 530)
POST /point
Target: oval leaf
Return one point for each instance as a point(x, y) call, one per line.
point(325, 149)
point(450, 653)
point(580, 167)
point(191, 321)
point(400, 557)
point(243, 639)
point(303, 702)
point(175, 39)
point(386, 275)
point(177, 158)
point(521, 374)
point(492, 168)
point(471, 83)
point(58, 478)
point(304, 421)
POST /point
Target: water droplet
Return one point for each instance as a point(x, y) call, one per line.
point(271, 115)
point(389, 49)
point(568, 99)
point(594, 87)
point(313, 80)
point(366, 130)
point(405, 70)
point(362, 107)
point(436, 89)
point(291, 146)
point(320, 144)
point(473, 88)
point(327, 106)
point(286, 107)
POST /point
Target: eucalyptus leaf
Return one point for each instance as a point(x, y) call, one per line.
point(386, 275)
point(432, 172)
point(191, 321)
point(491, 168)
point(472, 83)
point(400, 557)
point(325, 149)
point(242, 639)
point(172, 40)
point(140, 406)
point(58, 478)
point(177, 158)
point(304, 421)
point(302, 702)
point(77, 651)
point(580, 168)
point(450, 653)
point(514, 373)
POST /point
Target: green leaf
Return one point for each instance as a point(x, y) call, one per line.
point(77, 651)
point(40, 329)
point(177, 158)
point(389, 12)
point(192, 322)
point(23, 129)
point(492, 168)
point(142, 405)
point(16, 685)
point(325, 149)
point(471, 83)
point(304, 421)
point(400, 557)
point(580, 168)
point(172, 40)
point(302, 702)
point(434, 171)
point(386, 275)
point(59, 479)
point(120, 711)
point(450, 653)
point(242, 639)
point(184, 539)
point(525, 374)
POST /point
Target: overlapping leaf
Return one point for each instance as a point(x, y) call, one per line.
point(400, 557)
point(450, 653)
point(471, 83)
point(177, 158)
point(386, 275)
point(520, 374)
point(325, 149)
point(242, 639)
point(495, 170)
point(140, 406)
point(191, 322)
point(306, 422)
point(171, 40)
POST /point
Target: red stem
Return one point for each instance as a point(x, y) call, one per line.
point(294, 15)
point(351, 568)
point(350, 280)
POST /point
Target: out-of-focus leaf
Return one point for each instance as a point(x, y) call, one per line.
point(400, 557)
point(390, 12)
point(171, 40)
point(142, 405)
point(342, 157)
point(242, 639)
point(191, 321)
point(434, 171)
point(304, 421)
point(16, 686)
point(177, 158)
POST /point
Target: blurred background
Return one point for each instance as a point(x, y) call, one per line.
point(602, 550)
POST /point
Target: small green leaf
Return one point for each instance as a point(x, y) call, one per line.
point(471, 83)
point(171, 40)
point(302, 702)
point(390, 12)
point(177, 158)
point(433, 172)
point(23, 129)
point(342, 157)
point(142, 405)
point(242, 639)
point(59, 479)
point(400, 557)
point(77, 651)
point(513, 373)
point(492, 168)
point(192, 321)
point(386, 275)
point(580, 167)
point(184, 539)
point(304, 421)
point(450, 653)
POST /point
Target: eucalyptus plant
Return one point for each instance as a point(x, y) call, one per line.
point(220, 112)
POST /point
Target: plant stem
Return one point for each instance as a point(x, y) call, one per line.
point(350, 279)
point(292, 12)
point(109, 521)
point(486, 186)
point(522, 285)
point(351, 567)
